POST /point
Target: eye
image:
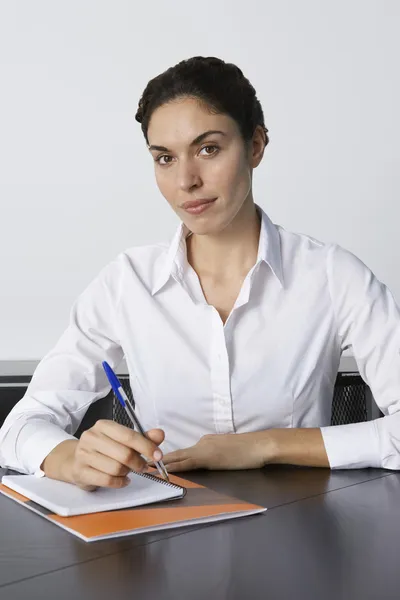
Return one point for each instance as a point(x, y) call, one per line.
point(210, 149)
point(164, 159)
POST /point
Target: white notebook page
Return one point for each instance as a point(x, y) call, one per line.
point(66, 499)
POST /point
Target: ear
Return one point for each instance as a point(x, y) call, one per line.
point(257, 146)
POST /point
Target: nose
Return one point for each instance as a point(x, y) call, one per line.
point(188, 176)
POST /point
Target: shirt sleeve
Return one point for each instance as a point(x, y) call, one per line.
point(368, 323)
point(67, 380)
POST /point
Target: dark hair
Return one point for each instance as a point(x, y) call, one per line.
point(220, 85)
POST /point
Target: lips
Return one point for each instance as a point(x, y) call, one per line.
point(196, 203)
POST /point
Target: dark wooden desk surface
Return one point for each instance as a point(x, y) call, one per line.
point(327, 535)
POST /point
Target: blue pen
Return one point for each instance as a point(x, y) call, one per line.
point(125, 402)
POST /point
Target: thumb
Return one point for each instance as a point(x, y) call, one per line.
point(156, 435)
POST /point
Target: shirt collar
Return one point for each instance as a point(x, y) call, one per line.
point(269, 246)
point(172, 263)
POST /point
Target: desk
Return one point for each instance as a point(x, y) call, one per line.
point(326, 536)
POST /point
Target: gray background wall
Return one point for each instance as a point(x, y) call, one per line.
point(76, 181)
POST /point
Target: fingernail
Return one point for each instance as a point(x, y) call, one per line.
point(157, 455)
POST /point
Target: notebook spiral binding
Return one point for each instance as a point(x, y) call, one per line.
point(159, 480)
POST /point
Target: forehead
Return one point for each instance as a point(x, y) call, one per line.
point(182, 120)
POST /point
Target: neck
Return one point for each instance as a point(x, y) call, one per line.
point(230, 252)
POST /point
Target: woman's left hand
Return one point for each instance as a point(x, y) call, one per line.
point(223, 451)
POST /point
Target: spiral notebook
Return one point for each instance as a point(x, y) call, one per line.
point(68, 500)
point(148, 503)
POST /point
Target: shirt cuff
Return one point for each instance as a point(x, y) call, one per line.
point(352, 446)
point(35, 441)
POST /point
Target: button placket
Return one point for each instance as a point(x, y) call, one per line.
point(220, 377)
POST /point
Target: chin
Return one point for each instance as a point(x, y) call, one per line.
point(208, 223)
point(203, 226)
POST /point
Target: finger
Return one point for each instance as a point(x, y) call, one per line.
point(124, 434)
point(103, 445)
point(156, 435)
point(131, 438)
point(87, 488)
point(177, 455)
point(90, 477)
point(108, 465)
point(127, 437)
point(185, 465)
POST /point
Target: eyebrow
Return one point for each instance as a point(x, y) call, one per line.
point(196, 140)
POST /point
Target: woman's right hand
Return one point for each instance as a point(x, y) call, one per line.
point(103, 456)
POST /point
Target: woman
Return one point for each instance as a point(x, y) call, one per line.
point(236, 328)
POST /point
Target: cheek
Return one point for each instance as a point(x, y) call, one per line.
point(233, 176)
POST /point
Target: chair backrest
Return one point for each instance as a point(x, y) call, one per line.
point(349, 404)
point(118, 413)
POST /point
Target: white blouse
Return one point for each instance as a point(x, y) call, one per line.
point(273, 363)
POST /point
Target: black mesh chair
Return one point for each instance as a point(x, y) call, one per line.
point(118, 413)
point(351, 403)
point(350, 400)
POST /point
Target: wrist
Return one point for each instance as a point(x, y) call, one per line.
point(274, 450)
point(267, 446)
point(297, 446)
point(58, 463)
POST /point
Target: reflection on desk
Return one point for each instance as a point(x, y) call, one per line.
point(330, 535)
